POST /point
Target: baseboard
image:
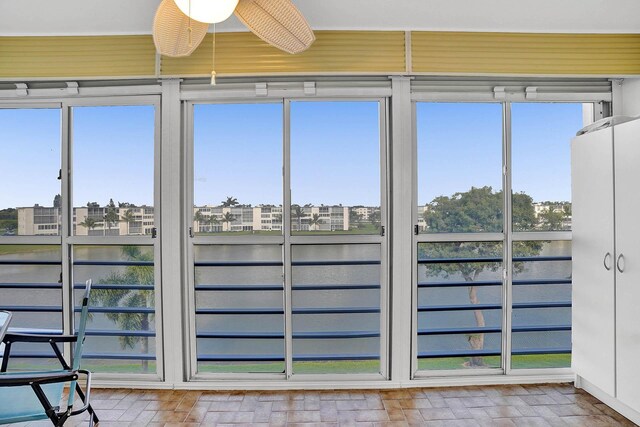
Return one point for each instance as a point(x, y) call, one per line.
point(631, 414)
point(319, 384)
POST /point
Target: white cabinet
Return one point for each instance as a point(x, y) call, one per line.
point(606, 265)
point(627, 192)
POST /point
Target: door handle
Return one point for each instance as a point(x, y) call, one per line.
point(620, 258)
point(604, 261)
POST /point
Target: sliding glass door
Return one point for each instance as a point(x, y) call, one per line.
point(113, 228)
point(30, 226)
point(287, 246)
point(492, 237)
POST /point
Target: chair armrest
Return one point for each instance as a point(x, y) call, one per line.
point(28, 378)
point(34, 338)
point(87, 393)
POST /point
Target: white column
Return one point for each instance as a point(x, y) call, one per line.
point(171, 232)
point(401, 211)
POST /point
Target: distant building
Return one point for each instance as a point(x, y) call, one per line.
point(43, 221)
point(91, 220)
point(38, 221)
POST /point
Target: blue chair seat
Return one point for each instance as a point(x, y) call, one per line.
point(22, 404)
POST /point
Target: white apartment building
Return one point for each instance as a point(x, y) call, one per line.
point(87, 221)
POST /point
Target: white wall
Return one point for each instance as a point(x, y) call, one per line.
point(630, 93)
point(82, 17)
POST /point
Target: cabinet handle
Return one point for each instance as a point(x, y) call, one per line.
point(620, 258)
point(607, 267)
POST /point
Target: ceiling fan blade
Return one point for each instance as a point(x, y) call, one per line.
point(171, 31)
point(277, 22)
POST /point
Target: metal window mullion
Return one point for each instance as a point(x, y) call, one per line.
point(384, 258)
point(414, 242)
point(190, 301)
point(66, 225)
point(171, 235)
point(401, 199)
point(286, 252)
point(157, 249)
point(508, 242)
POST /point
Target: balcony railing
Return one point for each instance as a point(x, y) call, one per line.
point(537, 305)
point(272, 335)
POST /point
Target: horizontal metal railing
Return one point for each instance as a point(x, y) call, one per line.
point(270, 335)
point(92, 309)
point(422, 285)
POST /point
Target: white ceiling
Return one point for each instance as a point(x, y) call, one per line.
point(83, 17)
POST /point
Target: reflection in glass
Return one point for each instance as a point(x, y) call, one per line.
point(459, 167)
point(122, 325)
point(459, 305)
point(336, 308)
point(239, 308)
point(237, 169)
point(335, 167)
point(30, 201)
point(541, 158)
point(113, 170)
point(542, 278)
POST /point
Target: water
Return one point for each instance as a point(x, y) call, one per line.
point(367, 274)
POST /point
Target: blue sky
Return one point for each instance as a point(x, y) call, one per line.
point(460, 146)
point(334, 152)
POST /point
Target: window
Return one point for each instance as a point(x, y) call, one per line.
point(237, 167)
point(336, 185)
point(30, 218)
point(459, 167)
point(541, 198)
point(113, 168)
point(30, 167)
point(266, 304)
point(121, 333)
point(113, 186)
point(541, 158)
point(336, 308)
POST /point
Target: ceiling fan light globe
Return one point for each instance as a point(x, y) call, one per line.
point(209, 11)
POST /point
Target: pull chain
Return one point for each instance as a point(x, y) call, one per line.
point(213, 58)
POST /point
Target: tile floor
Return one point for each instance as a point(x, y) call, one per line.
point(521, 405)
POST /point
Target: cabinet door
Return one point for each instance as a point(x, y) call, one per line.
point(593, 346)
point(627, 176)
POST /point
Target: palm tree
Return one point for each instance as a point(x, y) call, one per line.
point(298, 212)
point(213, 220)
point(89, 223)
point(128, 216)
point(231, 201)
point(315, 221)
point(127, 297)
point(111, 217)
point(198, 218)
point(228, 218)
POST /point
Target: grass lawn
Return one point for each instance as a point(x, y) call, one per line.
point(22, 249)
point(534, 361)
point(339, 367)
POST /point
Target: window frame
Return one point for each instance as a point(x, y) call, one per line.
point(70, 240)
point(286, 239)
point(593, 109)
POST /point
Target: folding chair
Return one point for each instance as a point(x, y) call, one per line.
point(29, 396)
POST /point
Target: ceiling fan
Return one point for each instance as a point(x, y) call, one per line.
point(180, 26)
